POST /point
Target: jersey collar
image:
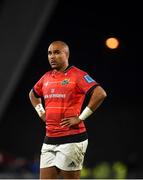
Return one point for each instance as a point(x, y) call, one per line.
point(68, 68)
point(55, 72)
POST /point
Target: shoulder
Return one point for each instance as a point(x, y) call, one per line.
point(78, 71)
point(45, 75)
point(48, 73)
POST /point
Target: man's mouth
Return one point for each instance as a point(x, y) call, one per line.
point(53, 63)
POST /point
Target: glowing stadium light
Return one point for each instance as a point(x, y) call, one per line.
point(112, 43)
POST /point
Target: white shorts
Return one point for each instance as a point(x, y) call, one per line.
point(68, 157)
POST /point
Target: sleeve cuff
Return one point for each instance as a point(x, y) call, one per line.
point(35, 94)
point(91, 89)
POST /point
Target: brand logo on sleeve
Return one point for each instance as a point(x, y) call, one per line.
point(88, 79)
point(46, 84)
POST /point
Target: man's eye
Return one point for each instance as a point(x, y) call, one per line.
point(57, 52)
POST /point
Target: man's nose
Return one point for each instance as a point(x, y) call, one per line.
point(52, 55)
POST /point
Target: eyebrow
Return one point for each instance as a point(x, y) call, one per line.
point(55, 51)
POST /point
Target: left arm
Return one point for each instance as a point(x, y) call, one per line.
point(97, 97)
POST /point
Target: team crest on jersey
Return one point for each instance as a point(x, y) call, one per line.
point(88, 78)
point(65, 81)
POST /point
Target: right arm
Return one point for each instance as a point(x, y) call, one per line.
point(37, 104)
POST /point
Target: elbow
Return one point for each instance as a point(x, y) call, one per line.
point(30, 94)
point(100, 92)
point(104, 95)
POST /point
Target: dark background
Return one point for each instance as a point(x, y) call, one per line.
point(115, 130)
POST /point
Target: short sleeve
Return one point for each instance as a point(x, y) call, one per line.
point(86, 82)
point(38, 87)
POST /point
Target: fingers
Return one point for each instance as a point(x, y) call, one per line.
point(69, 121)
point(43, 117)
point(65, 122)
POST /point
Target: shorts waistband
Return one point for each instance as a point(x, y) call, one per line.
point(66, 139)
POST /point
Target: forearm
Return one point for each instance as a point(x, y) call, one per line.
point(33, 99)
point(96, 99)
point(37, 104)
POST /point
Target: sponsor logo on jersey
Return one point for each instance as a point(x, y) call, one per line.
point(49, 96)
point(88, 79)
point(65, 81)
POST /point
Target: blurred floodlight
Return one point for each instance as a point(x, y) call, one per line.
point(112, 43)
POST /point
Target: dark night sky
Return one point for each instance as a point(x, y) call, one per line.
point(117, 125)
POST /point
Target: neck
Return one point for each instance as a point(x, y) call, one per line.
point(63, 68)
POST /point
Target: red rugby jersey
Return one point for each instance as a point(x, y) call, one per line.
point(64, 93)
